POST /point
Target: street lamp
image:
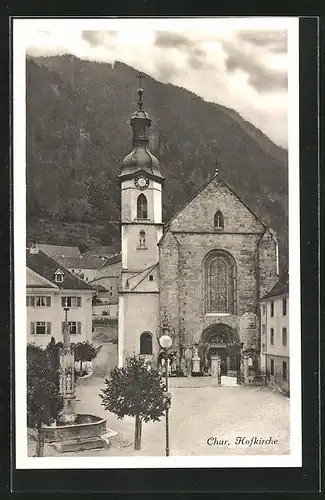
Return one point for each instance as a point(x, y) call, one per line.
point(165, 342)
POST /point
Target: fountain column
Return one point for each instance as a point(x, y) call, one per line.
point(67, 380)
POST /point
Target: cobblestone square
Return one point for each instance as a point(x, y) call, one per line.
point(222, 414)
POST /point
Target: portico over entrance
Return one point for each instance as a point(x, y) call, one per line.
point(222, 340)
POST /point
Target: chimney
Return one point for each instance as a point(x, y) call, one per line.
point(34, 248)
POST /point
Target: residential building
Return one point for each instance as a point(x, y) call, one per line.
point(51, 288)
point(109, 275)
point(275, 349)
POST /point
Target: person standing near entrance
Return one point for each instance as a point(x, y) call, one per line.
point(188, 361)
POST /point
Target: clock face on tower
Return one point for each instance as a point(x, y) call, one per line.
point(141, 182)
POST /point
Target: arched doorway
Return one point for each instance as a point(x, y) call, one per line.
point(222, 340)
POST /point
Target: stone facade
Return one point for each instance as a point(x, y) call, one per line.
point(189, 239)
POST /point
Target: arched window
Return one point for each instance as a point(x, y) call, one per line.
point(220, 283)
point(146, 343)
point(142, 207)
point(142, 239)
point(219, 222)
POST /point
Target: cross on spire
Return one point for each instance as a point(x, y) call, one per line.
point(216, 172)
point(141, 76)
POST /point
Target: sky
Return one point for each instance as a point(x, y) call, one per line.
point(238, 63)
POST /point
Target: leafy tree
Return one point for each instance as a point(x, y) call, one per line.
point(84, 351)
point(53, 356)
point(44, 402)
point(137, 390)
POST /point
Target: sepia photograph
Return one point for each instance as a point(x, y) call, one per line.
point(156, 231)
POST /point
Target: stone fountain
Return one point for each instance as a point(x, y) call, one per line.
point(74, 431)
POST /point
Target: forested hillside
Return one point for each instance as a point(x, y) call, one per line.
point(78, 132)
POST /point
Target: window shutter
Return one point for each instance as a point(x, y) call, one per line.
point(48, 328)
point(79, 328)
point(32, 301)
point(78, 301)
point(48, 301)
point(62, 301)
point(32, 328)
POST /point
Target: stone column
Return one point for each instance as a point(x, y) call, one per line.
point(67, 382)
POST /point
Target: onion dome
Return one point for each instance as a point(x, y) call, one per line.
point(140, 157)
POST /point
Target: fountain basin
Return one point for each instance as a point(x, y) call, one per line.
point(84, 433)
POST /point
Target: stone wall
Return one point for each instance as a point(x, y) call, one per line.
point(182, 279)
point(267, 256)
point(190, 238)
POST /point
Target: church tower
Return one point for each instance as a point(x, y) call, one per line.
point(141, 229)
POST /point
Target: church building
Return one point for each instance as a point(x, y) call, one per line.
point(200, 276)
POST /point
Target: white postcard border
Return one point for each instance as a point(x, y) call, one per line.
point(21, 29)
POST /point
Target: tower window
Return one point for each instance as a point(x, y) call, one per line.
point(218, 220)
point(146, 343)
point(142, 207)
point(150, 277)
point(142, 239)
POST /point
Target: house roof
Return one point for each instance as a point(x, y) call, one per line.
point(81, 262)
point(45, 266)
point(98, 287)
point(112, 260)
point(104, 251)
point(56, 251)
point(280, 288)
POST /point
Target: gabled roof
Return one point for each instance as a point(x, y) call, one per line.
point(104, 252)
point(280, 288)
point(46, 267)
point(56, 251)
point(221, 181)
point(81, 262)
point(112, 260)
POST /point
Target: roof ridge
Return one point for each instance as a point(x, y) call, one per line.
point(205, 185)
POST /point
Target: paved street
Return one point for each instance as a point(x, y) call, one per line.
point(197, 413)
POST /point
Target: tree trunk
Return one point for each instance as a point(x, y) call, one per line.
point(80, 366)
point(137, 433)
point(40, 442)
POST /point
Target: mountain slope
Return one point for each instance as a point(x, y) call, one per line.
point(78, 132)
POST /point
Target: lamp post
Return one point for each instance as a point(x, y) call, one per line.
point(165, 342)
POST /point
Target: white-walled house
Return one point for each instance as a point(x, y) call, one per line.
point(51, 288)
point(275, 349)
